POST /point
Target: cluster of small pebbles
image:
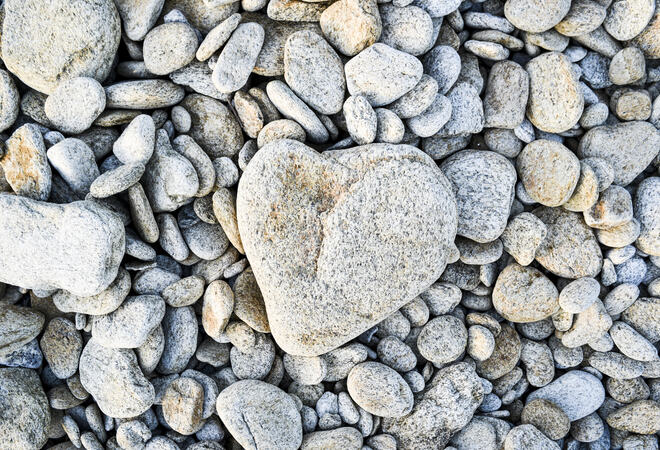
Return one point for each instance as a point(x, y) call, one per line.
point(329, 225)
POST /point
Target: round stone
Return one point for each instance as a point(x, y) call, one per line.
point(169, 47)
point(380, 390)
point(442, 340)
point(524, 294)
point(75, 104)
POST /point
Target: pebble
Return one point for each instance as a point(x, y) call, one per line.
point(570, 249)
point(432, 118)
point(585, 193)
point(182, 405)
point(535, 17)
point(180, 330)
point(442, 340)
point(116, 181)
point(444, 408)
point(467, 114)
point(505, 356)
point(645, 211)
point(506, 95)
point(408, 28)
point(578, 295)
point(351, 25)
point(382, 74)
point(143, 94)
point(10, 100)
point(344, 437)
point(584, 16)
point(360, 119)
point(481, 217)
point(217, 308)
point(129, 325)
point(631, 343)
point(292, 107)
point(75, 104)
point(25, 165)
point(528, 436)
point(627, 18)
point(304, 369)
point(217, 37)
point(26, 415)
point(169, 47)
point(642, 416)
point(114, 379)
point(74, 161)
point(547, 417)
point(260, 415)
point(314, 71)
point(549, 171)
point(389, 129)
point(551, 109)
point(61, 345)
point(628, 66)
point(443, 64)
point(238, 57)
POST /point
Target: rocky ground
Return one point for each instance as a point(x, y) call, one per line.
point(349, 224)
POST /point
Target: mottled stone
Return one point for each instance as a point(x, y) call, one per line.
point(578, 393)
point(446, 406)
point(536, 16)
point(238, 57)
point(506, 95)
point(25, 413)
point(524, 294)
point(75, 104)
point(114, 379)
point(555, 99)
point(646, 210)
point(483, 182)
point(260, 415)
point(276, 253)
point(380, 390)
point(25, 165)
point(351, 25)
point(86, 35)
point(39, 253)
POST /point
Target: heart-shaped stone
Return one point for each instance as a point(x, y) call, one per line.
point(339, 240)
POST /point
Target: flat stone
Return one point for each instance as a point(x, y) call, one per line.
point(143, 94)
point(380, 390)
point(642, 315)
point(84, 266)
point(314, 71)
point(217, 37)
point(86, 36)
point(18, 326)
point(104, 302)
point(25, 165)
point(260, 415)
point(484, 182)
point(238, 57)
point(114, 379)
point(75, 104)
point(578, 393)
point(351, 25)
point(551, 109)
point(276, 254)
point(583, 17)
point(629, 147)
point(570, 249)
point(445, 407)
point(382, 74)
point(214, 126)
point(61, 345)
point(417, 100)
point(26, 414)
point(546, 417)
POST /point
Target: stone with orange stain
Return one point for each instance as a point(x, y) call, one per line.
point(25, 164)
point(340, 240)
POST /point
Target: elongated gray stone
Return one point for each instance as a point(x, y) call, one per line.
point(76, 247)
